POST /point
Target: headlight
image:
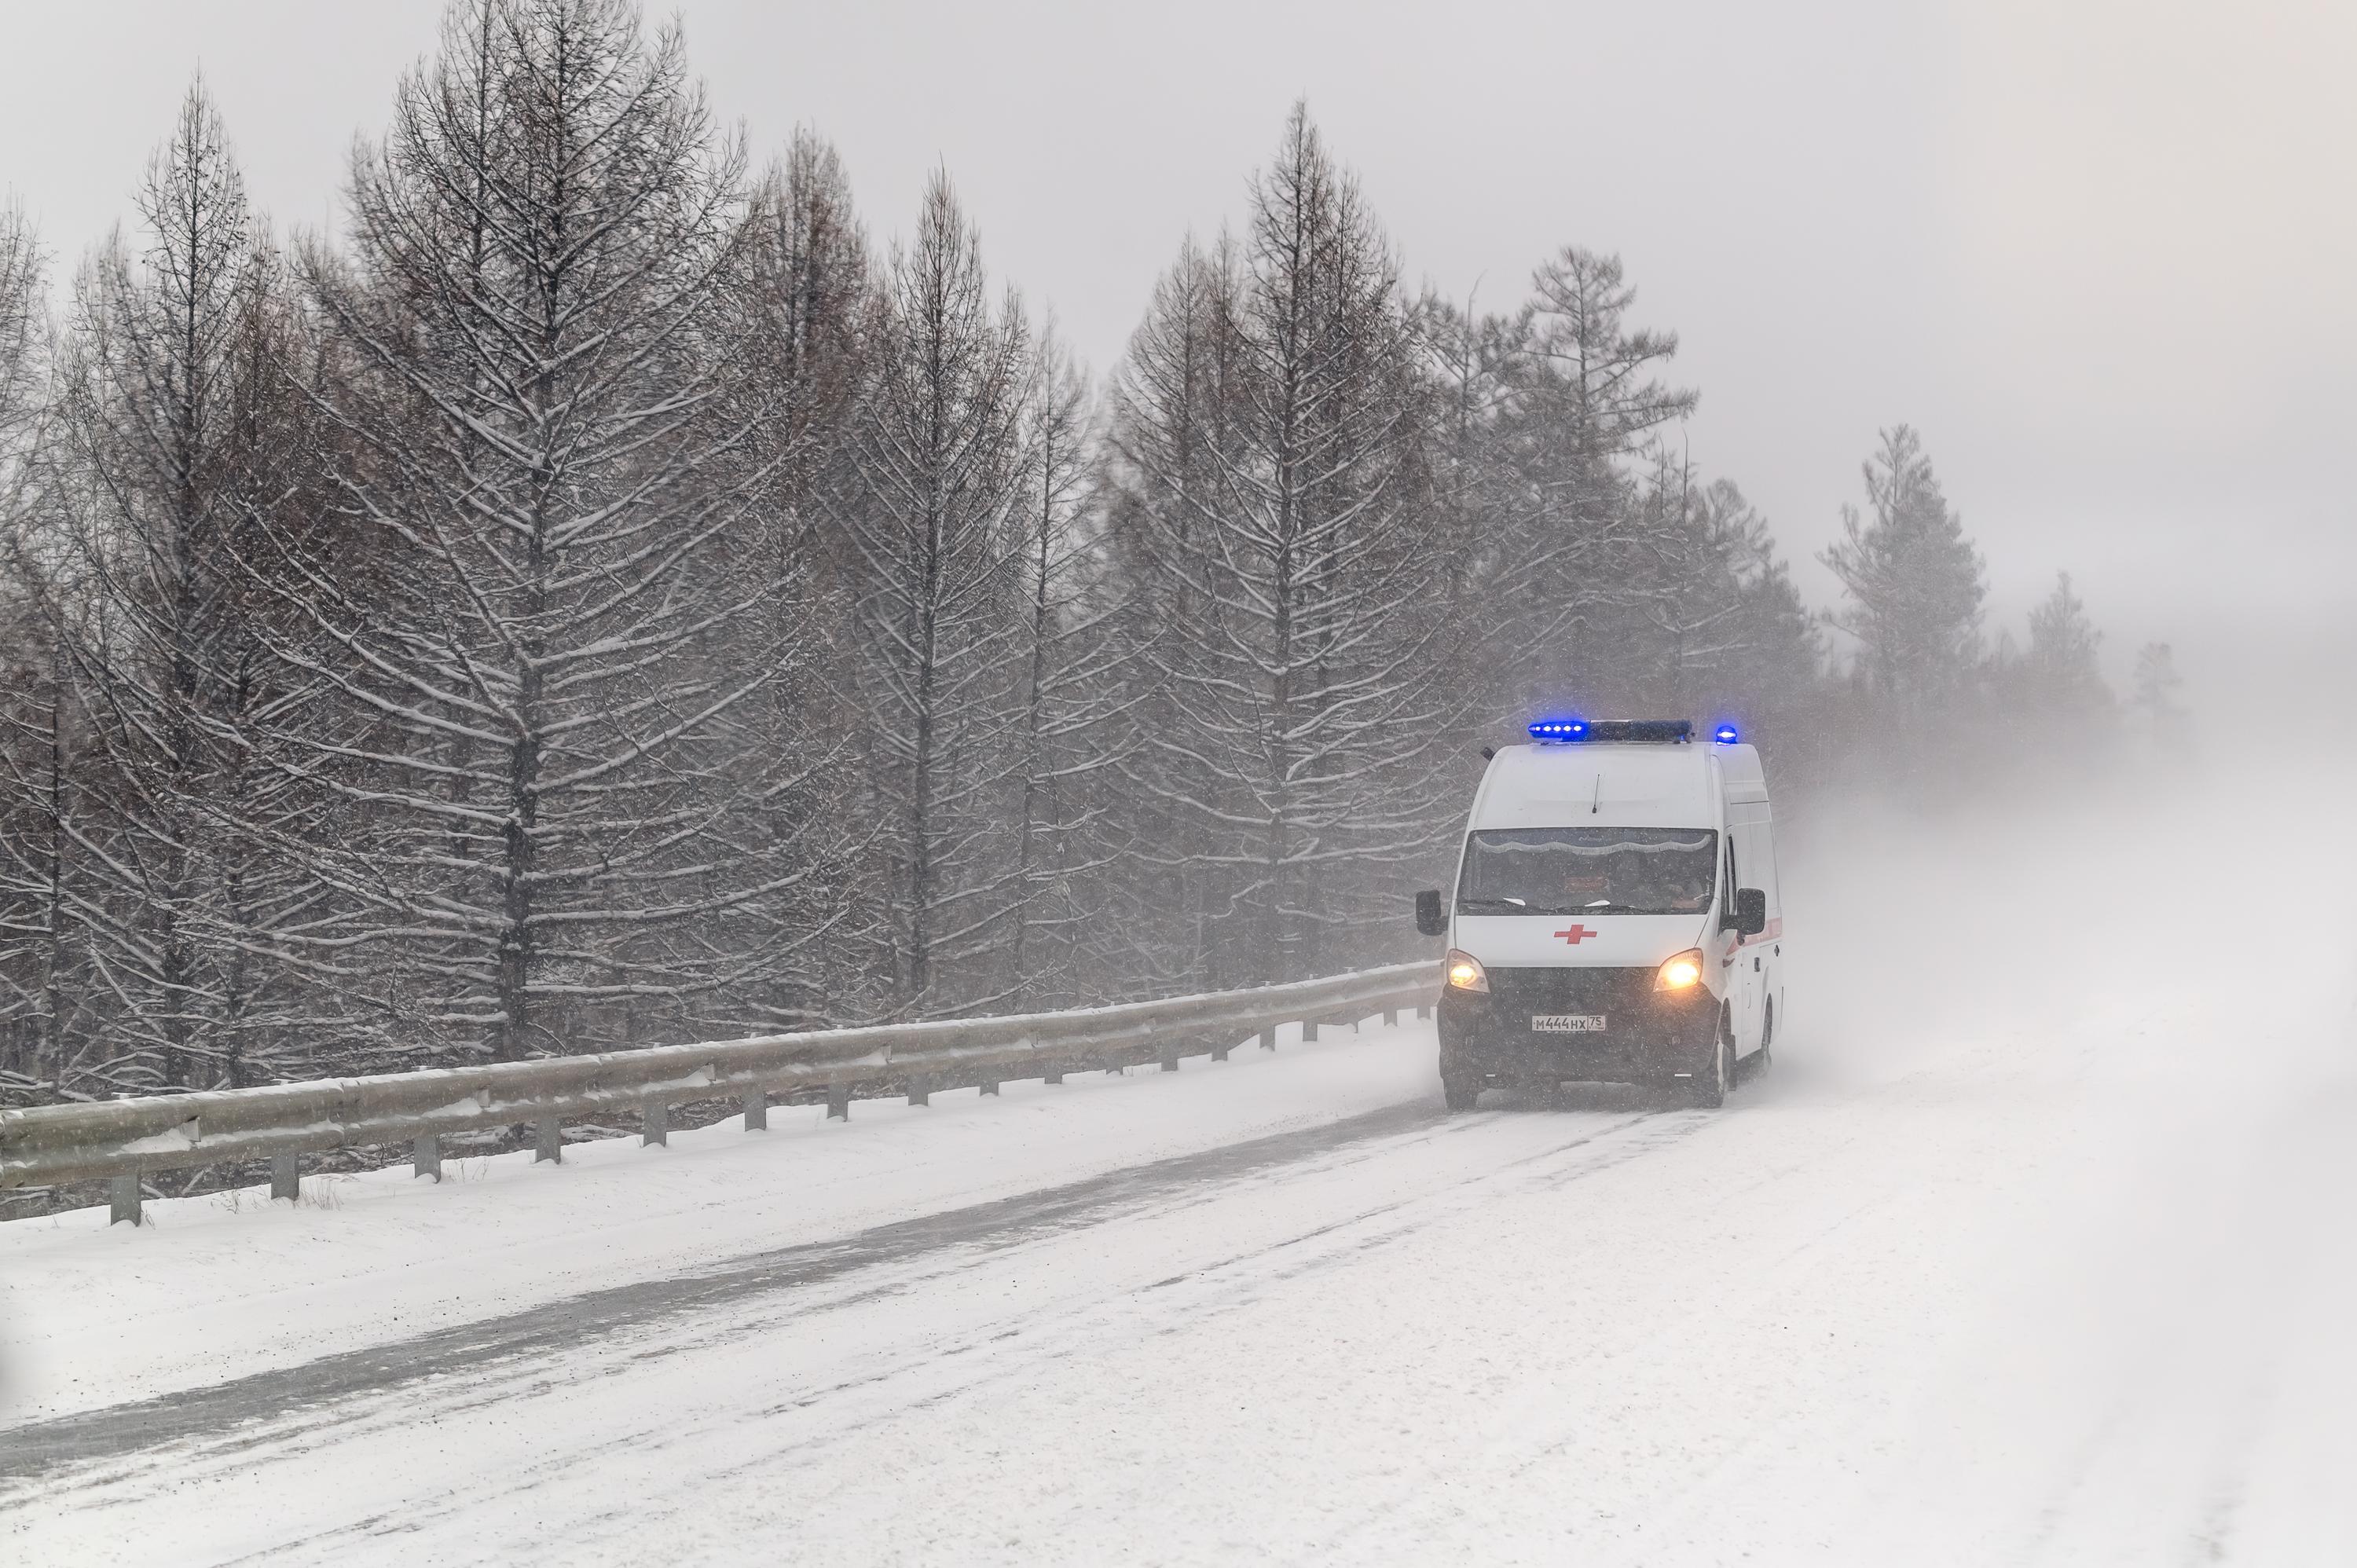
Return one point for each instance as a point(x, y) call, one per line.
point(1464, 972)
point(1682, 973)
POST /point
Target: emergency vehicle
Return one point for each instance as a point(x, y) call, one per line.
point(1617, 915)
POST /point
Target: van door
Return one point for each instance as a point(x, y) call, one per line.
point(1748, 864)
point(1770, 951)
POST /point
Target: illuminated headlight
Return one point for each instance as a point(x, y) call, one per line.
point(1464, 972)
point(1682, 973)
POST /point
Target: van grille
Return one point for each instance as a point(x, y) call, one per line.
point(1598, 990)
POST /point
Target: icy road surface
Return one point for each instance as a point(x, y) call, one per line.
point(2035, 1247)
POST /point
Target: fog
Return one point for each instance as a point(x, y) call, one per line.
point(2142, 994)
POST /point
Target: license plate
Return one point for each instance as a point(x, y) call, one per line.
point(1567, 1022)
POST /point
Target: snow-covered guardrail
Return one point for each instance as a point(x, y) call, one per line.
point(122, 1139)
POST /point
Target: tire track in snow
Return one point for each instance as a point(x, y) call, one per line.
point(314, 1388)
point(941, 1372)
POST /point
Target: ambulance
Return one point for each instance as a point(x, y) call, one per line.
point(1617, 915)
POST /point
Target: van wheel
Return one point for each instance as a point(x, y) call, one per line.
point(1766, 1041)
point(1710, 1092)
point(1460, 1091)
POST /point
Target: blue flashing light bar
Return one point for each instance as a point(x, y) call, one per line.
point(1725, 734)
point(1658, 732)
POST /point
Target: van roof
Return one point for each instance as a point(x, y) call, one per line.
point(1604, 785)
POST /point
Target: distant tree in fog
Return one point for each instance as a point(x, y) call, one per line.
point(2047, 704)
point(1735, 638)
point(1913, 582)
point(1581, 551)
point(1589, 561)
point(2062, 663)
point(2153, 691)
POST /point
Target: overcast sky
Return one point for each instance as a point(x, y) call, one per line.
point(2101, 252)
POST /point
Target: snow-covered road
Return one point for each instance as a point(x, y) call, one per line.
point(2035, 1247)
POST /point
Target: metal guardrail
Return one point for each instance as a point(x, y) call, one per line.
point(122, 1139)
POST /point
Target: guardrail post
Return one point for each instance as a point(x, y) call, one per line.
point(838, 1102)
point(549, 1143)
point(123, 1201)
point(1391, 1017)
point(286, 1176)
point(757, 1111)
point(920, 1092)
point(1053, 1073)
point(427, 1156)
point(1220, 1053)
point(1268, 1038)
point(1170, 1058)
point(657, 1129)
point(1424, 1010)
point(990, 1086)
point(1308, 1031)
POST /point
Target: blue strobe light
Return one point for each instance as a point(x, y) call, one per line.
point(1725, 734)
point(1546, 731)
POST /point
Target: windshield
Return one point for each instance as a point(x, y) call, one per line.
point(1588, 871)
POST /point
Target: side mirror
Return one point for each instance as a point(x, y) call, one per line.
point(1429, 918)
point(1750, 911)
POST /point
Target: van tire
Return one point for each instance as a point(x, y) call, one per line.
point(1761, 1060)
point(1710, 1092)
point(1460, 1092)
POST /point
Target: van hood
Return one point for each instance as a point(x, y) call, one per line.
point(1540, 941)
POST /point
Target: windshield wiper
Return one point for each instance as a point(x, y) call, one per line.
point(1519, 907)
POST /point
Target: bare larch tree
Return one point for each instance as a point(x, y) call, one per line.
point(540, 753)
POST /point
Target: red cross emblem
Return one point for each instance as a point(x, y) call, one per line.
point(1577, 934)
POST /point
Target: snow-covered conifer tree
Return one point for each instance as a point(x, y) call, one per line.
point(803, 292)
point(1298, 694)
point(171, 416)
point(34, 927)
point(1074, 691)
point(548, 822)
point(929, 503)
point(1169, 428)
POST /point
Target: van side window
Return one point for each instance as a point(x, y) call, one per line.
point(1732, 884)
point(1755, 846)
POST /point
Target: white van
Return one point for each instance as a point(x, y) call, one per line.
point(1617, 915)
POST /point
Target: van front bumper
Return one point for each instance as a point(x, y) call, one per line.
point(1649, 1036)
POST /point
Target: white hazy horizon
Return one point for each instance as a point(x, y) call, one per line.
point(2096, 251)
